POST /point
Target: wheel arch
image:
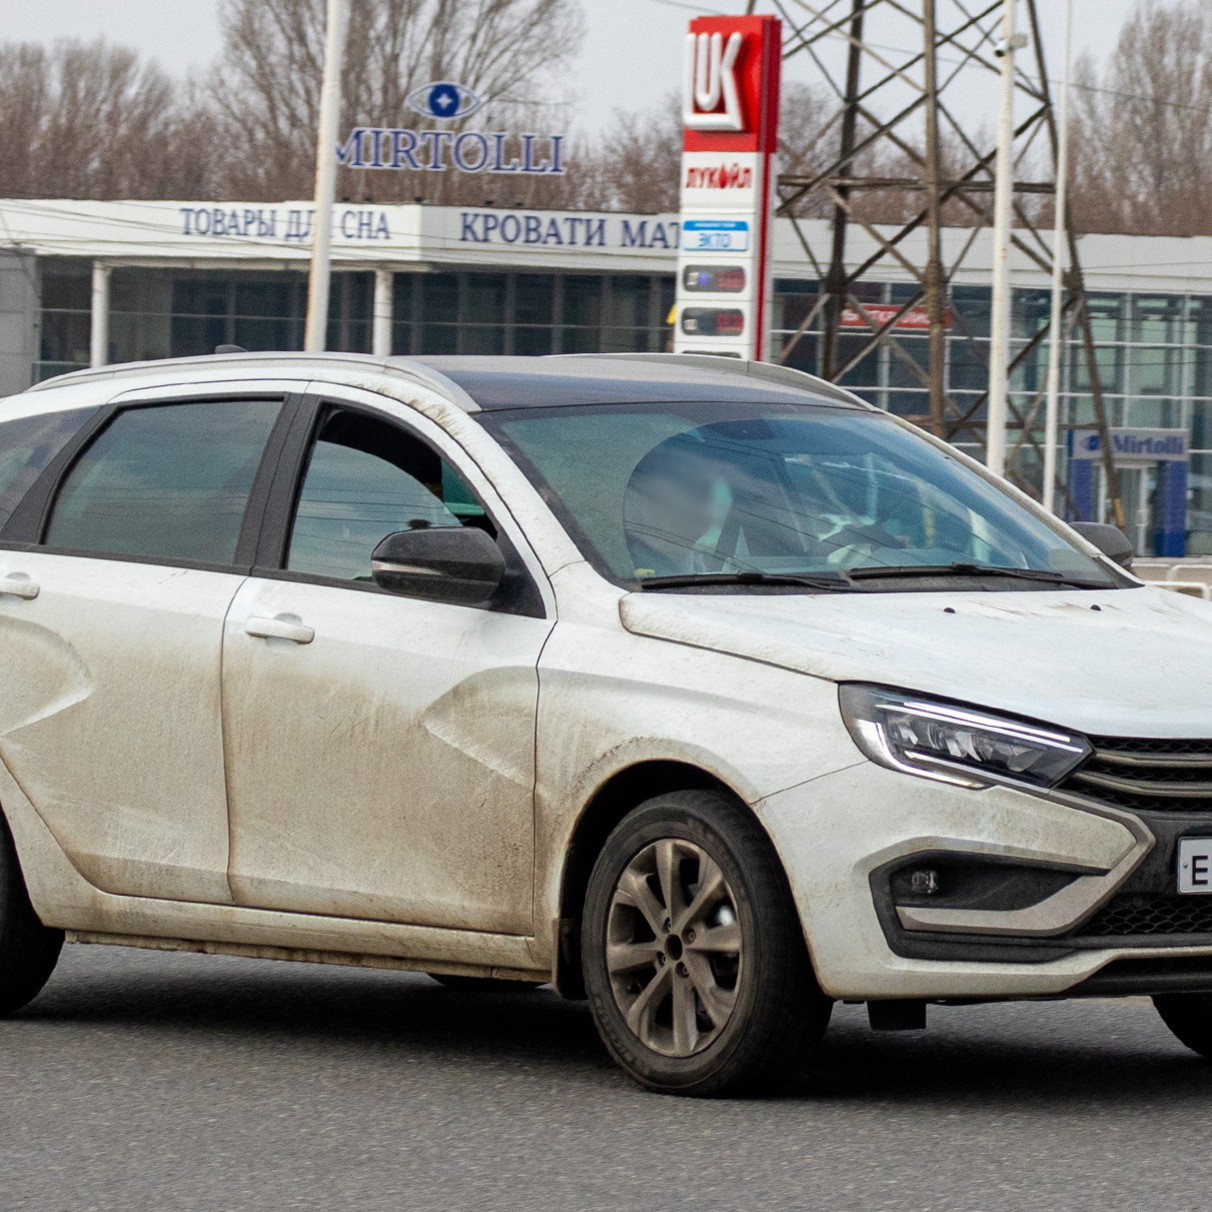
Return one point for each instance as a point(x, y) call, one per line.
point(611, 802)
point(8, 837)
point(17, 852)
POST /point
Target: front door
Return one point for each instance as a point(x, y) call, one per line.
point(380, 749)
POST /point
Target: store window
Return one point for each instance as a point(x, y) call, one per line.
point(66, 309)
point(530, 314)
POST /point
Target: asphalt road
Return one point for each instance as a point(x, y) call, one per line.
point(142, 1080)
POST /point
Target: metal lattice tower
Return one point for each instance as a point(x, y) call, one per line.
point(904, 107)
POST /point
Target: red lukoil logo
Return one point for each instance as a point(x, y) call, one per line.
point(719, 176)
point(710, 89)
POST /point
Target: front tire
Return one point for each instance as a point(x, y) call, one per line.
point(29, 950)
point(1189, 1016)
point(695, 963)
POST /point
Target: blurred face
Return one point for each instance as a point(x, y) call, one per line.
point(671, 497)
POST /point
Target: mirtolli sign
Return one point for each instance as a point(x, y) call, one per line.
point(730, 106)
point(436, 149)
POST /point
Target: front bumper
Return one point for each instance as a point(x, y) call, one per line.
point(840, 836)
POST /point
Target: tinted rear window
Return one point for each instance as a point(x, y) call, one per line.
point(166, 483)
point(27, 445)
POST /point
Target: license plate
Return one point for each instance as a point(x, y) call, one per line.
point(1195, 865)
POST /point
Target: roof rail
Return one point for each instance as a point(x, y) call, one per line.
point(404, 368)
point(769, 372)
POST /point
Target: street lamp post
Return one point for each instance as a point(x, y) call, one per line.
point(316, 333)
point(1059, 236)
point(1003, 194)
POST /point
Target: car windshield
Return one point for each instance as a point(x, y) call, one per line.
point(682, 491)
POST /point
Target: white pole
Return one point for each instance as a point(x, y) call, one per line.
point(98, 334)
point(326, 180)
point(383, 313)
point(999, 321)
point(1052, 408)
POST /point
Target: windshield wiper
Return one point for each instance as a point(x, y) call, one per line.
point(973, 570)
point(845, 579)
point(750, 576)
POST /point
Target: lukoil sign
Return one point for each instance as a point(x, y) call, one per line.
point(711, 96)
point(403, 148)
point(730, 98)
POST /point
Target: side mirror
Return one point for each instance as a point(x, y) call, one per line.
point(458, 565)
point(1110, 540)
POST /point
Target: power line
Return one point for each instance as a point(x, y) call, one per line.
point(693, 8)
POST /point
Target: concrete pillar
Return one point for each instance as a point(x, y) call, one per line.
point(20, 302)
point(98, 341)
point(383, 312)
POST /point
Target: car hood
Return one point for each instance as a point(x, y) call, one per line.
point(1129, 662)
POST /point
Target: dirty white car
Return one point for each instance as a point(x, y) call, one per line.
point(698, 688)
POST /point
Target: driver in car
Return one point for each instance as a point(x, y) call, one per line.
point(669, 505)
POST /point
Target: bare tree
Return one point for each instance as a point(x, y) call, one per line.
point(266, 87)
point(804, 125)
point(90, 120)
point(632, 165)
point(1143, 126)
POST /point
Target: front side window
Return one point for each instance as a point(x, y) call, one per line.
point(685, 490)
point(27, 446)
point(169, 482)
point(367, 478)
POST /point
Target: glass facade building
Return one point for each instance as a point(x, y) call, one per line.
point(1154, 357)
point(162, 313)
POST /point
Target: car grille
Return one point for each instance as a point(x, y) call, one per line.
point(1134, 914)
point(1147, 775)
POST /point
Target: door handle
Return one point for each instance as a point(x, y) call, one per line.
point(18, 585)
point(283, 627)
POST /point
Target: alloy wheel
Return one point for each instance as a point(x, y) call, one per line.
point(674, 949)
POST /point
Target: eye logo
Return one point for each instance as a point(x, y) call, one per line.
point(443, 99)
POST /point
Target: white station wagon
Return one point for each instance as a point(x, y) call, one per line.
point(698, 688)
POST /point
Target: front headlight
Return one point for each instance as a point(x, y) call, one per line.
point(943, 741)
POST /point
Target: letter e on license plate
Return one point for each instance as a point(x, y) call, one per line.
point(1195, 865)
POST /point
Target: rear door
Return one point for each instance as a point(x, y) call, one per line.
point(123, 560)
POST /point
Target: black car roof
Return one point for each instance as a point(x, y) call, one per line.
point(484, 383)
point(544, 382)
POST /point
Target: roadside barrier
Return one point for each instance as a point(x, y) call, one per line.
point(1192, 579)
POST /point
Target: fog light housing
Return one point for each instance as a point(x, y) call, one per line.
point(970, 881)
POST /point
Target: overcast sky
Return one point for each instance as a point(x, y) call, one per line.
point(631, 56)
